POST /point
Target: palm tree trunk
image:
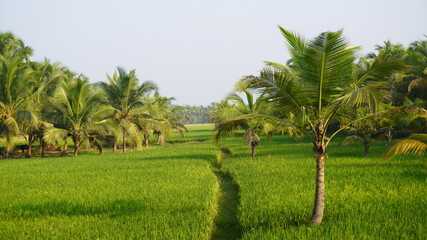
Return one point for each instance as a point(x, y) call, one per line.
point(100, 148)
point(114, 146)
point(41, 141)
point(76, 140)
point(146, 139)
point(366, 145)
point(319, 196)
point(8, 148)
point(43, 147)
point(30, 144)
point(124, 141)
point(76, 149)
point(65, 148)
point(158, 137)
point(389, 137)
point(253, 149)
point(161, 139)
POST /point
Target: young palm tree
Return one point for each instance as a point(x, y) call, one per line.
point(321, 87)
point(81, 107)
point(126, 96)
point(363, 131)
point(165, 116)
point(229, 118)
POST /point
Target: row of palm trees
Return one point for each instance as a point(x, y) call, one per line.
point(47, 102)
point(322, 91)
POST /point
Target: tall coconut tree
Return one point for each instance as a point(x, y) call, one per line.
point(323, 83)
point(415, 143)
point(82, 108)
point(17, 88)
point(11, 46)
point(417, 58)
point(47, 77)
point(126, 96)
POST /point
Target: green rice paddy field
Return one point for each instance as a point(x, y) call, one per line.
point(172, 193)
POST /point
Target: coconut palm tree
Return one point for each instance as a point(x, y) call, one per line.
point(415, 144)
point(126, 96)
point(165, 116)
point(417, 58)
point(364, 131)
point(17, 88)
point(10, 46)
point(322, 87)
point(81, 107)
point(228, 118)
point(47, 77)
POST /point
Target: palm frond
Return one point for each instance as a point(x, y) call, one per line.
point(418, 83)
point(10, 126)
point(325, 67)
point(52, 134)
point(414, 144)
point(349, 139)
point(297, 44)
point(280, 88)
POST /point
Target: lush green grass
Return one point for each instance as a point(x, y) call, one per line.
point(167, 193)
point(366, 198)
point(171, 193)
point(196, 133)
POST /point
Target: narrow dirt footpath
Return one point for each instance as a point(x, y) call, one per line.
point(227, 224)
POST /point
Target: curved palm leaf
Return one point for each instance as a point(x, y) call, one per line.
point(414, 144)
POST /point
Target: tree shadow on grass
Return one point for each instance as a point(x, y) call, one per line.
point(114, 209)
point(207, 157)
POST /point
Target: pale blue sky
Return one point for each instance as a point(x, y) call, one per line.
point(195, 50)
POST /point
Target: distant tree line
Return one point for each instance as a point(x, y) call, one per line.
point(197, 114)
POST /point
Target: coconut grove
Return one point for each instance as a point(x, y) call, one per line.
point(327, 145)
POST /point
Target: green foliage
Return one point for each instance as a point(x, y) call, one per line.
point(170, 193)
point(82, 109)
point(196, 114)
point(126, 97)
point(167, 193)
point(368, 198)
point(16, 90)
point(414, 144)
